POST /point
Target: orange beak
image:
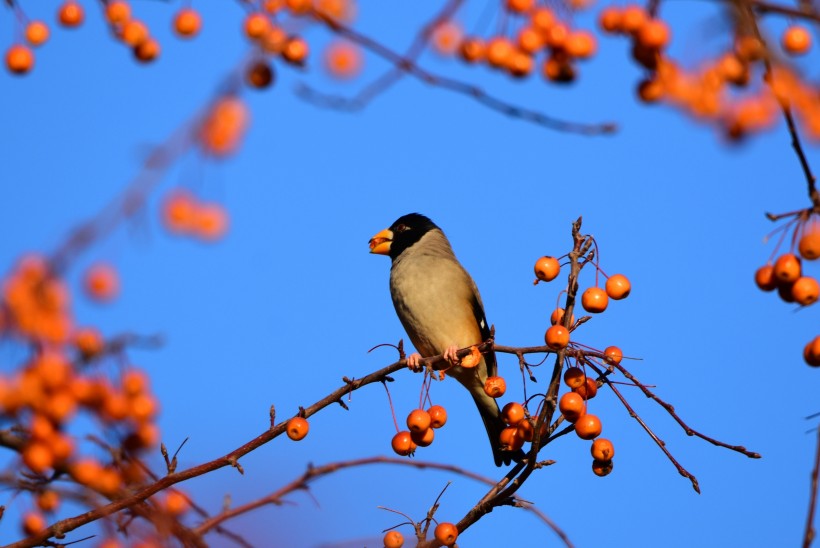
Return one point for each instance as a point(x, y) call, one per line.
point(380, 243)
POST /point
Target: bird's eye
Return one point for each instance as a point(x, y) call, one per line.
point(401, 228)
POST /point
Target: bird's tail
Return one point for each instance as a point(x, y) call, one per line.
point(491, 415)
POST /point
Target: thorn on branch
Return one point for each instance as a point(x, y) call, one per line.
point(272, 416)
point(235, 463)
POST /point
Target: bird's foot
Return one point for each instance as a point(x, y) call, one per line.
point(451, 354)
point(414, 362)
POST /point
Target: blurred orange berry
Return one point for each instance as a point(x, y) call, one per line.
point(147, 51)
point(259, 74)
point(654, 34)
point(343, 60)
point(210, 221)
point(446, 37)
point(295, 51)
point(33, 522)
point(134, 32)
point(47, 500)
point(89, 342)
point(472, 50)
point(796, 40)
point(178, 210)
point(520, 6)
point(117, 12)
point(176, 503)
point(256, 25)
point(19, 59)
point(38, 457)
point(101, 282)
point(224, 126)
point(71, 14)
point(37, 33)
point(187, 23)
point(580, 44)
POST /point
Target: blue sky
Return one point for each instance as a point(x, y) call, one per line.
point(291, 300)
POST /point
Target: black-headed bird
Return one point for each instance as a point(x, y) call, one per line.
point(440, 308)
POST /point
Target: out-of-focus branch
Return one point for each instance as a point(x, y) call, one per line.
point(808, 537)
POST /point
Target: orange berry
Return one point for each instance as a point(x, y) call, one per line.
point(557, 337)
point(259, 74)
point(572, 406)
point(588, 427)
point(557, 68)
point(530, 40)
point(805, 290)
point(187, 23)
point(295, 51)
point(749, 48)
point(472, 50)
point(618, 287)
point(33, 522)
point(520, 6)
point(650, 90)
point(19, 59)
point(423, 439)
point(61, 446)
point(601, 468)
point(37, 33)
point(85, 471)
point(499, 51)
point(764, 278)
point(633, 17)
point(542, 19)
point(101, 282)
point(403, 444)
point(654, 34)
point(787, 269)
point(446, 37)
point(610, 19)
point(143, 407)
point(393, 539)
point(147, 51)
point(557, 317)
point(274, 41)
point(594, 300)
point(38, 457)
point(796, 40)
point(602, 449)
point(176, 503)
point(343, 60)
point(574, 377)
point(256, 25)
point(472, 359)
point(147, 435)
point(588, 390)
point(547, 268)
point(811, 352)
point(520, 64)
point(510, 440)
point(418, 420)
point(446, 533)
point(134, 32)
point(178, 211)
point(71, 14)
point(809, 245)
point(297, 428)
point(89, 342)
point(210, 221)
point(556, 36)
point(580, 44)
point(134, 383)
point(525, 430)
point(613, 354)
point(117, 12)
point(495, 387)
point(47, 501)
point(513, 413)
point(438, 416)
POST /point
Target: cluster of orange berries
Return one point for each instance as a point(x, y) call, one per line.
point(446, 533)
point(542, 31)
point(703, 93)
point(573, 406)
point(594, 300)
point(420, 424)
point(131, 31)
point(184, 214)
point(792, 284)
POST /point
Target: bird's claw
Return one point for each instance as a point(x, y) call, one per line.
point(414, 362)
point(451, 354)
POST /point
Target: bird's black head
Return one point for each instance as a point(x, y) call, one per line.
point(404, 232)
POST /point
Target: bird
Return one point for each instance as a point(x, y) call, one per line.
point(440, 308)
